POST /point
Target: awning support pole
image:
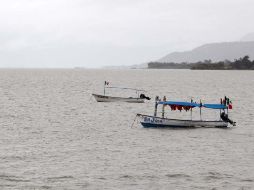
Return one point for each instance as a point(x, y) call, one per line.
point(156, 105)
point(163, 107)
point(200, 110)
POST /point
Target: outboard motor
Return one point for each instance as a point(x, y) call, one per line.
point(143, 96)
point(225, 118)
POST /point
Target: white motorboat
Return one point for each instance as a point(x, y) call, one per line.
point(102, 98)
point(141, 97)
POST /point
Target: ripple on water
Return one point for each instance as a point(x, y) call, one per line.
point(59, 178)
point(177, 176)
point(217, 175)
point(12, 178)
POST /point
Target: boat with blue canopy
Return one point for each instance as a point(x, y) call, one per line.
point(155, 121)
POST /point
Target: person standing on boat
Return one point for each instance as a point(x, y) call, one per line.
point(225, 118)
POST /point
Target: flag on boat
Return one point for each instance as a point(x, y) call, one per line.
point(227, 102)
point(230, 106)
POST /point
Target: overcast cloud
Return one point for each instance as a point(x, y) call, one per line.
point(95, 33)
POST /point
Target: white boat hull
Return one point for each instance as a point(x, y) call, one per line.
point(151, 121)
point(102, 98)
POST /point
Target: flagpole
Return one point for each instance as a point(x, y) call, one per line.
point(104, 87)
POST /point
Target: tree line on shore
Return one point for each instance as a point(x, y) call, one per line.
point(243, 63)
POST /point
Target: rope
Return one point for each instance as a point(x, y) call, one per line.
point(91, 96)
point(134, 121)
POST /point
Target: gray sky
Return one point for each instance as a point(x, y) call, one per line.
point(95, 33)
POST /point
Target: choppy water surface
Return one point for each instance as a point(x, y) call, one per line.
point(53, 135)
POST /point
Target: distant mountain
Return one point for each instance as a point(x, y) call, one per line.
point(248, 37)
point(214, 52)
point(140, 66)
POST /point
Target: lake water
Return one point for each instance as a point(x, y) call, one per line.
point(54, 135)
